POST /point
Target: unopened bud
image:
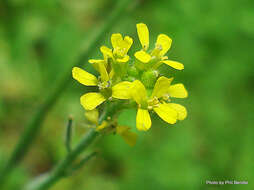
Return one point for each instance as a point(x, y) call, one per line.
point(149, 78)
point(132, 71)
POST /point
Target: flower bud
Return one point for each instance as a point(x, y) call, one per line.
point(133, 72)
point(149, 78)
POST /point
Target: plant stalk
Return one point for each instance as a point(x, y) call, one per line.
point(47, 180)
point(52, 177)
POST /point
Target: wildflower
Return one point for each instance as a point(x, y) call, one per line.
point(159, 101)
point(120, 46)
point(151, 92)
point(157, 56)
point(116, 58)
point(111, 126)
point(106, 90)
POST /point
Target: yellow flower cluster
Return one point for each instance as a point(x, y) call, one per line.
point(135, 80)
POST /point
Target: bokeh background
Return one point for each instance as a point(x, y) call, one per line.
point(39, 40)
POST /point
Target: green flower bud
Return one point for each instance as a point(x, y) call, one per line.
point(149, 78)
point(149, 92)
point(129, 78)
point(132, 71)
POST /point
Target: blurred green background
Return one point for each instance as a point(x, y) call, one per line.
point(39, 40)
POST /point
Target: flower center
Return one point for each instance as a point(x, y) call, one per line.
point(153, 102)
point(104, 84)
point(119, 52)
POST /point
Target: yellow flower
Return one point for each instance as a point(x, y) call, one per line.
point(120, 46)
point(157, 56)
point(92, 99)
point(114, 60)
point(158, 102)
point(129, 137)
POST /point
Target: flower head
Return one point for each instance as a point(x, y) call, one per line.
point(159, 101)
point(106, 91)
point(121, 47)
point(157, 56)
point(136, 82)
point(115, 59)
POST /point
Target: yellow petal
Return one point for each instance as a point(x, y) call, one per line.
point(122, 90)
point(121, 46)
point(164, 42)
point(161, 87)
point(102, 126)
point(181, 110)
point(138, 92)
point(143, 56)
point(166, 112)
point(128, 42)
point(91, 100)
point(84, 77)
point(164, 58)
point(178, 91)
point(116, 40)
point(106, 51)
point(103, 72)
point(143, 120)
point(92, 116)
point(123, 60)
point(129, 137)
point(121, 129)
point(95, 63)
point(174, 64)
point(143, 35)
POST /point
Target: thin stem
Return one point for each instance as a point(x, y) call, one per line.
point(33, 127)
point(47, 180)
point(60, 170)
point(68, 136)
point(82, 162)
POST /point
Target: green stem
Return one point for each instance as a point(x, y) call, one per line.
point(47, 180)
point(32, 129)
point(60, 170)
point(68, 136)
point(82, 162)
